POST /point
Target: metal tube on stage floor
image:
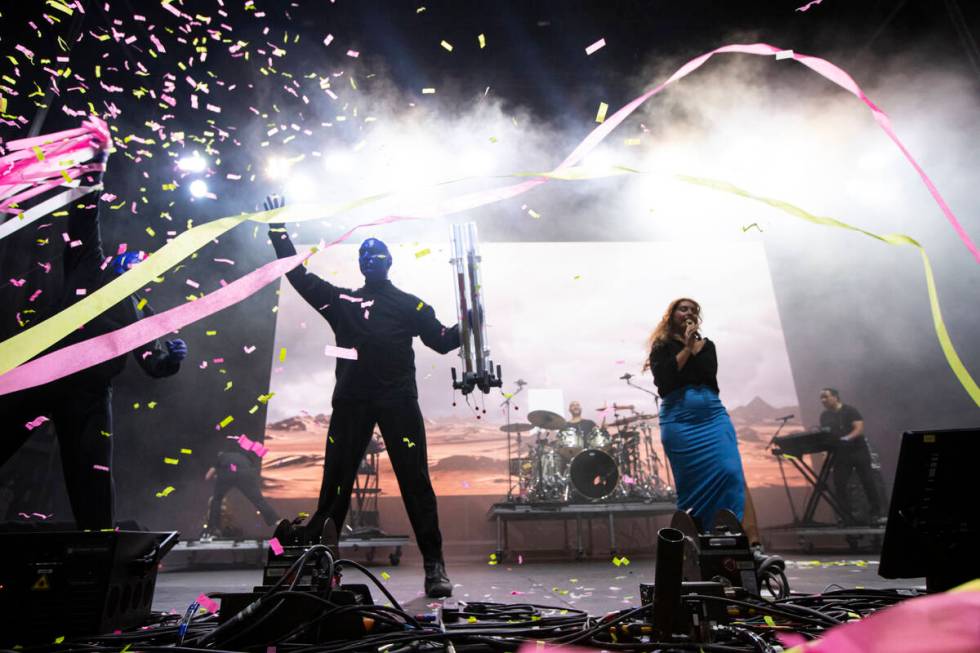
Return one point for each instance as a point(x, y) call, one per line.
point(667, 583)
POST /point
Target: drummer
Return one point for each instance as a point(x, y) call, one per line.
point(583, 426)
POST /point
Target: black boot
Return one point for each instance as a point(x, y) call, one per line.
point(437, 583)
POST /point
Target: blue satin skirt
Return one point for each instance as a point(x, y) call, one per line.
point(702, 449)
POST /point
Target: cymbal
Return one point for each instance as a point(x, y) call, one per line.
point(624, 421)
point(547, 420)
point(519, 427)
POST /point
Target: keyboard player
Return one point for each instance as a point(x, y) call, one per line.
point(853, 455)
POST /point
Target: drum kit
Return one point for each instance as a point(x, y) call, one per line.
point(583, 461)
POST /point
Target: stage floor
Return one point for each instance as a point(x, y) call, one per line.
point(596, 586)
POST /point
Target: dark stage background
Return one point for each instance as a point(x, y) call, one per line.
point(854, 312)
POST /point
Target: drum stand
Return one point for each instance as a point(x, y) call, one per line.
point(510, 458)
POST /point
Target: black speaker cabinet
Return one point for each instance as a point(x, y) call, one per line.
point(69, 583)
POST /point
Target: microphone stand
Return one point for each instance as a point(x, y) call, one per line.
point(782, 471)
point(656, 402)
point(510, 475)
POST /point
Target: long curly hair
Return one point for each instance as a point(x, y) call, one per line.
point(665, 328)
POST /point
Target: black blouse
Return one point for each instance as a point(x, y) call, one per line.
point(701, 369)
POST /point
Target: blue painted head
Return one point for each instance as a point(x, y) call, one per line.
point(122, 262)
point(374, 259)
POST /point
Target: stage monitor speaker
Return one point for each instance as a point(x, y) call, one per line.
point(934, 518)
point(68, 583)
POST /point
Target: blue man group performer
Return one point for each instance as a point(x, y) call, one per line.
point(697, 434)
point(80, 405)
point(378, 388)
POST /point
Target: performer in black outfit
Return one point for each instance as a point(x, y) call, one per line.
point(236, 468)
point(853, 454)
point(80, 405)
point(379, 321)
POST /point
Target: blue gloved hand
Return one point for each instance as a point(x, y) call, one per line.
point(274, 202)
point(176, 350)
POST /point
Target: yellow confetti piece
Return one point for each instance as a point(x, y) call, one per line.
point(211, 333)
point(534, 214)
point(186, 452)
point(226, 421)
point(141, 304)
point(482, 40)
point(385, 575)
point(150, 231)
point(151, 405)
point(419, 307)
point(166, 491)
point(428, 91)
point(171, 461)
point(38, 152)
point(423, 252)
point(600, 115)
point(58, 640)
point(769, 621)
point(446, 45)
point(282, 355)
point(471, 619)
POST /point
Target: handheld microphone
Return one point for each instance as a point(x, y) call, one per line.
point(785, 418)
point(626, 377)
point(520, 382)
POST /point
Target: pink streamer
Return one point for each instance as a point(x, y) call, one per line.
point(939, 623)
point(808, 5)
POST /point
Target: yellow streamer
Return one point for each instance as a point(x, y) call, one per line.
point(962, 374)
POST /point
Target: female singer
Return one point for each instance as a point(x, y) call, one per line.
point(695, 429)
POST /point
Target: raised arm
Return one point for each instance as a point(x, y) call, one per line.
point(317, 292)
point(434, 335)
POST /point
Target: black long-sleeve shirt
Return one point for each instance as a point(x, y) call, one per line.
point(701, 369)
point(379, 321)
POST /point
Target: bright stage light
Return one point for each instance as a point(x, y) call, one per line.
point(300, 189)
point(193, 163)
point(199, 188)
point(277, 168)
point(338, 162)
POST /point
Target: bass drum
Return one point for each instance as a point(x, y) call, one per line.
point(593, 474)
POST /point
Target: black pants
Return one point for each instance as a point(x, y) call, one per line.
point(248, 481)
point(855, 457)
point(351, 427)
point(82, 418)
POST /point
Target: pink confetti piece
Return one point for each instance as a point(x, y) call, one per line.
point(328, 40)
point(245, 442)
point(598, 45)
point(259, 450)
point(340, 352)
point(157, 44)
point(233, 467)
point(79, 291)
point(355, 300)
point(34, 295)
point(249, 349)
point(808, 5)
point(353, 53)
point(192, 283)
point(203, 600)
point(218, 360)
point(36, 422)
point(101, 468)
point(224, 260)
point(18, 282)
point(276, 546)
